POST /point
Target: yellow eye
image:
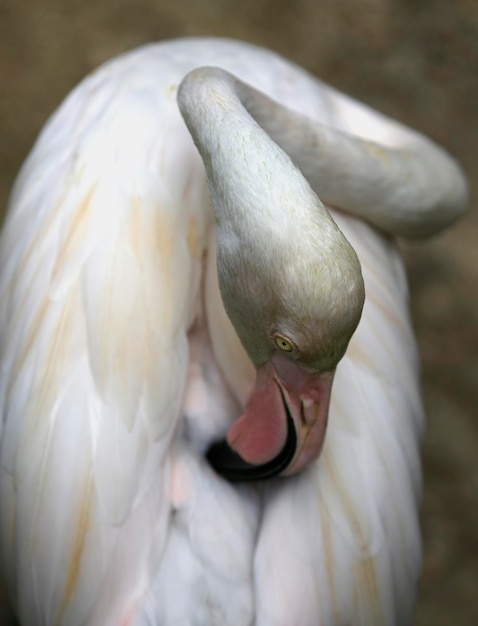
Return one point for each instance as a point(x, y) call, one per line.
point(283, 343)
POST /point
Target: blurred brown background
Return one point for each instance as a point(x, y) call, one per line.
point(416, 60)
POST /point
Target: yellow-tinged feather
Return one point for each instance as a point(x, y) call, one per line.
point(29, 344)
point(351, 509)
point(39, 237)
point(329, 563)
point(367, 594)
point(76, 234)
point(82, 526)
point(55, 351)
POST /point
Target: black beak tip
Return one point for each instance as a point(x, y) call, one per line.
point(228, 464)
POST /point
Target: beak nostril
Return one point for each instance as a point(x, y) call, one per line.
point(309, 410)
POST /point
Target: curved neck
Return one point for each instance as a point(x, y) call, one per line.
point(411, 190)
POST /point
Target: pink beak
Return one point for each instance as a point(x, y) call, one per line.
point(283, 426)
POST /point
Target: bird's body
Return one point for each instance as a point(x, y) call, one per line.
point(119, 367)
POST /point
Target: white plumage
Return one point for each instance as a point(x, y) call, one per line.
point(119, 367)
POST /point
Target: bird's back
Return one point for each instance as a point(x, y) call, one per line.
point(119, 367)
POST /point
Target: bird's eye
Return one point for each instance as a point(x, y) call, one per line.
point(283, 343)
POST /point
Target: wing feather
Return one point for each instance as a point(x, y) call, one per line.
point(98, 286)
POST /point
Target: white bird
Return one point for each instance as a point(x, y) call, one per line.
point(138, 419)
